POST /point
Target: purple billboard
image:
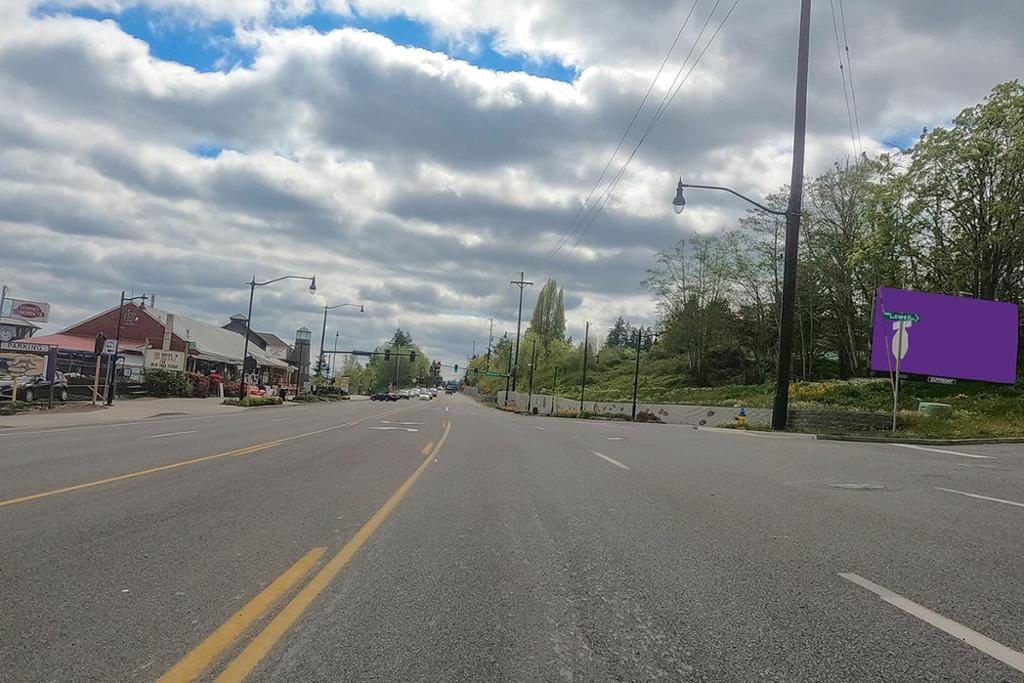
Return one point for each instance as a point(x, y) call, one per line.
point(944, 336)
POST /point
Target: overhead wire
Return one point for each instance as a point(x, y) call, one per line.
point(849, 68)
point(598, 206)
point(567, 234)
point(842, 74)
point(666, 101)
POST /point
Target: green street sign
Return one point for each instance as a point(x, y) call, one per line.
point(901, 317)
point(490, 373)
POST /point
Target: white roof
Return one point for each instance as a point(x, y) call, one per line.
point(214, 343)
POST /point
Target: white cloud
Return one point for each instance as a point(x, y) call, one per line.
point(412, 180)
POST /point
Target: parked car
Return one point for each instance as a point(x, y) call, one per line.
point(449, 391)
point(35, 388)
point(425, 396)
point(382, 396)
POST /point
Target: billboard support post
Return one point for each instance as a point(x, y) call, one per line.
point(896, 384)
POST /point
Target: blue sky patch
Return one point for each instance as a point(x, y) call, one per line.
point(206, 47)
point(206, 151)
point(211, 46)
point(905, 139)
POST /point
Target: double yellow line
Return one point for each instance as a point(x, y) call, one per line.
point(193, 461)
point(199, 659)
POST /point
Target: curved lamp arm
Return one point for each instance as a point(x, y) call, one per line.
point(312, 280)
point(731, 191)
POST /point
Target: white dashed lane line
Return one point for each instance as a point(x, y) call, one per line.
point(611, 460)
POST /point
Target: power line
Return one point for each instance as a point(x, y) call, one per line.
point(849, 67)
point(571, 229)
point(598, 206)
point(657, 117)
point(842, 74)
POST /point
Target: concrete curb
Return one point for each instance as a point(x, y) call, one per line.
point(759, 434)
point(919, 442)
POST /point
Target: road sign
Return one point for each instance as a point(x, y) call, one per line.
point(24, 347)
point(491, 373)
point(901, 317)
point(109, 347)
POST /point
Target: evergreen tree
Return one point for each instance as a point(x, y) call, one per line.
point(548, 320)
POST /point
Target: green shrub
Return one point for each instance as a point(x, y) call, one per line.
point(254, 401)
point(166, 383)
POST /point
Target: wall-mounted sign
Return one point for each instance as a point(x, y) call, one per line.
point(33, 311)
point(159, 359)
point(24, 347)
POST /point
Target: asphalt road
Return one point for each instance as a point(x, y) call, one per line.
point(445, 541)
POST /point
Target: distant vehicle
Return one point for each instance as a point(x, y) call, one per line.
point(425, 396)
point(34, 388)
point(433, 392)
point(382, 396)
point(448, 391)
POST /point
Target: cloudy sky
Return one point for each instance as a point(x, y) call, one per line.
point(416, 154)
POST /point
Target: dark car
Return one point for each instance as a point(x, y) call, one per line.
point(384, 397)
point(35, 388)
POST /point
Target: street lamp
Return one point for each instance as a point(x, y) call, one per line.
point(780, 406)
point(248, 318)
point(323, 330)
point(117, 339)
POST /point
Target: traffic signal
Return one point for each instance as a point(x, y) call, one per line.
point(249, 365)
point(476, 372)
point(412, 356)
point(456, 368)
point(387, 354)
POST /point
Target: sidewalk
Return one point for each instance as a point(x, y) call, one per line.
point(122, 411)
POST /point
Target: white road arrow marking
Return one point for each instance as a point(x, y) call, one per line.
point(395, 429)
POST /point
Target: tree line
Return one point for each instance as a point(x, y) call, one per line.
point(945, 215)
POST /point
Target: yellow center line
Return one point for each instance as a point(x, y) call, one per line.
point(162, 468)
point(141, 473)
point(426, 449)
point(196, 661)
point(253, 654)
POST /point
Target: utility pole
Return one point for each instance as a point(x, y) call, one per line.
point(780, 407)
point(474, 349)
point(586, 349)
point(554, 391)
point(335, 354)
point(521, 283)
point(508, 373)
point(636, 373)
point(533, 362)
point(490, 343)
point(396, 367)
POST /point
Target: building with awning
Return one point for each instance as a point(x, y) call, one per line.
point(208, 347)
